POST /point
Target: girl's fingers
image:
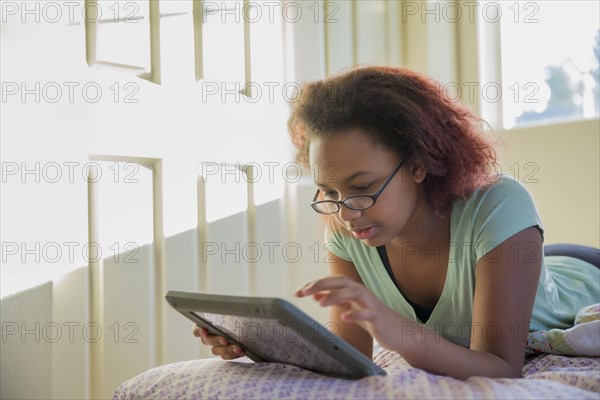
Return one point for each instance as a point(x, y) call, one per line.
point(210, 340)
point(213, 340)
point(329, 283)
point(219, 344)
point(345, 295)
point(319, 295)
point(197, 331)
point(228, 352)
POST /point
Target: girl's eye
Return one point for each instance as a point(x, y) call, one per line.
point(362, 188)
point(330, 193)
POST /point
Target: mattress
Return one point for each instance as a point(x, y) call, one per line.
point(546, 376)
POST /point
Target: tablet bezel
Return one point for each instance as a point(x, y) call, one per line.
point(188, 304)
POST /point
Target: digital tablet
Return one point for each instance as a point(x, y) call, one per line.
point(274, 330)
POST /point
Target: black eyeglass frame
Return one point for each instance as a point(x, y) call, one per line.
point(373, 197)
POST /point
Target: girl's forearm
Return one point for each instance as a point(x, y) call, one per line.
point(428, 350)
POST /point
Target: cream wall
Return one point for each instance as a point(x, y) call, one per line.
point(26, 368)
point(564, 176)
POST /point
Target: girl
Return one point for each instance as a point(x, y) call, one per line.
point(434, 254)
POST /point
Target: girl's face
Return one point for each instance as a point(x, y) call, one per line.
point(350, 163)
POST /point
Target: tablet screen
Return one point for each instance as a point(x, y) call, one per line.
point(272, 341)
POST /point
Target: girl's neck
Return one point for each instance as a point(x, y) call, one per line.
point(424, 227)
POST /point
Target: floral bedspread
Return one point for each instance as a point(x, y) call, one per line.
point(545, 376)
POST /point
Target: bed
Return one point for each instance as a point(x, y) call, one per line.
point(553, 369)
point(545, 376)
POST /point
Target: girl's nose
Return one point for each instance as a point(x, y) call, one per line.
point(347, 214)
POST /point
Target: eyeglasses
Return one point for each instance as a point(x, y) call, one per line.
point(357, 202)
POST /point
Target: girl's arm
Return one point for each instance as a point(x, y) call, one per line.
point(350, 332)
point(506, 284)
point(505, 292)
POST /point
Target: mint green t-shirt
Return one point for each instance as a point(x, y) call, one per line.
point(479, 224)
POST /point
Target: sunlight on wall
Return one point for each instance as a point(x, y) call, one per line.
point(58, 110)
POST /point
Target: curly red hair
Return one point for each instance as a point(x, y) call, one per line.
point(406, 112)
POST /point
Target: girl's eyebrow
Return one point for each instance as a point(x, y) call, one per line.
point(347, 180)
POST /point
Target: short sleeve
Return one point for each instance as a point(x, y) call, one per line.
point(335, 243)
point(504, 210)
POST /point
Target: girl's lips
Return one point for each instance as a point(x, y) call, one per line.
point(366, 233)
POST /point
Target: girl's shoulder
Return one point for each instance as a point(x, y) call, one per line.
point(505, 194)
point(491, 215)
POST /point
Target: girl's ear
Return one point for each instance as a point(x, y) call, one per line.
point(416, 169)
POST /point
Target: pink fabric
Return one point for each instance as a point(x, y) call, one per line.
point(545, 376)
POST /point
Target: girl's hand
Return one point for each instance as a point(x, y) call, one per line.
point(219, 344)
point(361, 307)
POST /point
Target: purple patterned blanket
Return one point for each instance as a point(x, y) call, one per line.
point(545, 376)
